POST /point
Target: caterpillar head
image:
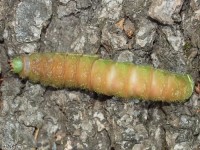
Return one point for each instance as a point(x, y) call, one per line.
point(16, 65)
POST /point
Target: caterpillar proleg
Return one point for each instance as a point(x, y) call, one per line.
point(104, 76)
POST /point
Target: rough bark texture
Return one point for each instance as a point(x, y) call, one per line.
point(164, 34)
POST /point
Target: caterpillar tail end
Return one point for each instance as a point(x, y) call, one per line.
point(16, 65)
point(190, 87)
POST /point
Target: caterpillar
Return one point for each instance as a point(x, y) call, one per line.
point(121, 79)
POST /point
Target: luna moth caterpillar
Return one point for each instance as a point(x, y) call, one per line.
point(121, 79)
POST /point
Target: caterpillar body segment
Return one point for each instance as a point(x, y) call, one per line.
point(124, 80)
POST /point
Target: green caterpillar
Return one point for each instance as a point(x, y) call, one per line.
point(124, 80)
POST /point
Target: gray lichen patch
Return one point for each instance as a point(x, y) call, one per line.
point(15, 132)
point(3, 59)
point(59, 37)
point(28, 47)
point(191, 23)
point(111, 39)
point(111, 9)
point(31, 16)
point(145, 36)
point(170, 50)
point(175, 38)
point(67, 10)
point(166, 12)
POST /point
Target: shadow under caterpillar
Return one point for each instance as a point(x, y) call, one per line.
point(121, 79)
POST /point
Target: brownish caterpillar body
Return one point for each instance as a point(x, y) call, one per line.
point(124, 80)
